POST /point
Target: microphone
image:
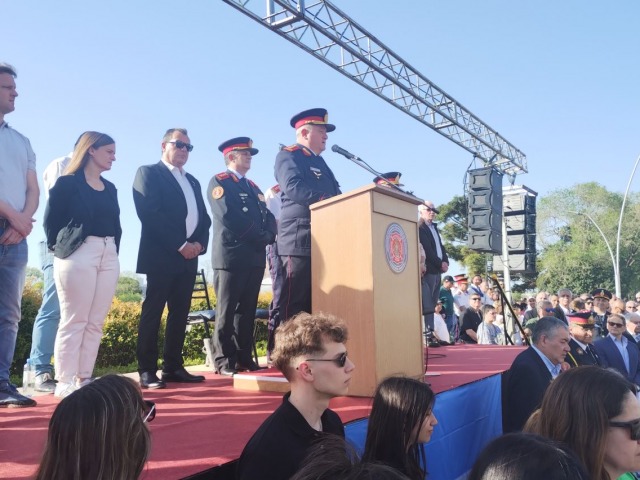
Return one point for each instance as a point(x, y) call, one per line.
point(342, 151)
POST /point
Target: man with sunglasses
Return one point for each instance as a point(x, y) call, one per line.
point(310, 352)
point(437, 261)
point(242, 228)
point(581, 325)
point(175, 231)
point(471, 320)
point(617, 352)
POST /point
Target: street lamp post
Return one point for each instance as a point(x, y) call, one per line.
point(624, 201)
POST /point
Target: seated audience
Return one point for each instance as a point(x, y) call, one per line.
point(524, 384)
point(471, 319)
point(310, 353)
point(595, 412)
point(488, 333)
point(401, 421)
point(617, 351)
point(334, 459)
point(440, 330)
point(521, 456)
point(99, 432)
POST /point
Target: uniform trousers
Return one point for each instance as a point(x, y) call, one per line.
point(296, 286)
point(237, 296)
point(86, 281)
point(275, 272)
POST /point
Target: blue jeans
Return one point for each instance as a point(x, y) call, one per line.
point(13, 264)
point(45, 326)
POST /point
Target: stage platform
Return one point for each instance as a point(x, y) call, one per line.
point(202, 426)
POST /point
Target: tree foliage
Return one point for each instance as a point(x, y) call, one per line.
point(574, 253)
point(128, 289)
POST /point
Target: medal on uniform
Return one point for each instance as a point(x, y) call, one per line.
point(245, 209)
point(316, 171)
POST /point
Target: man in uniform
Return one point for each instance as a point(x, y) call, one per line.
point(242, 228)
point(601, 298)
point(581, 325)
point(304, 179)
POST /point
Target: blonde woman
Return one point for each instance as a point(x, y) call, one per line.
point(82, 224)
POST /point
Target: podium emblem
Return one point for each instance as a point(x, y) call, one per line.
point(396, 248)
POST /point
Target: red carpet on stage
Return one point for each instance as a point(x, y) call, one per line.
point(201, 426)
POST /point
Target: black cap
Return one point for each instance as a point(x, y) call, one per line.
point(238, 144)
point(602, 293)
point(448, 278)
point(313, 116)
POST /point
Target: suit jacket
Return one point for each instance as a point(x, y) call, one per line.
point(559, 314)
point(162, 210)
point(610, 357)
point(69, 214)
point(434, 264)
point(578, 356)
point(523, 387)
point(304, 179)
point(242, 224)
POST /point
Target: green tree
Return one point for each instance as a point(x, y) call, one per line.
point(128, 289)
point(574, 254)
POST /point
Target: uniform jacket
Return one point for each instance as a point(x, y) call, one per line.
point(162, 210)
point(523, 387)
point(610, 358)
point(578, 356)
point(304, 179)
point(242, 224)
point(69, 213)
point(434, 264)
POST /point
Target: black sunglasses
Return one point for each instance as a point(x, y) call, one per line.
point(150, 411)
point(475, 298)
point(614, 324)
point(633, 426)
point(180, 145)
point(339, 361)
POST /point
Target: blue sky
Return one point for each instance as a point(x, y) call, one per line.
point(559, 80)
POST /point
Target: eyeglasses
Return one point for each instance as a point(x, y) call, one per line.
point(549, 310)
point(590, 302)
point(180, 145)
point(633, 426)
point(339, 361)
point(150, 412)
point(614, 324)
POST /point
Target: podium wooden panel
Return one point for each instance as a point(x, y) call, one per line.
point(352, 279)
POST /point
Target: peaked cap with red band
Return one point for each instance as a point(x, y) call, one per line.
point(390, 177)
point(315, 116)
point(239, 144)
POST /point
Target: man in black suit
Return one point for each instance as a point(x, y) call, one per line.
point(617, 351)
point(242, 228)
point(581, 325)
point(175, 230)
point(563, 309)
point(524, 384)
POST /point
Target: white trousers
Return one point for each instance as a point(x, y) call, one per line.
point(86, 281)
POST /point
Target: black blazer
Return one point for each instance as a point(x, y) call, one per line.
point(610, 358)
point(242, 224)
point(523, 387)
point(162, 210)
point(434, 264)
point(69, 213)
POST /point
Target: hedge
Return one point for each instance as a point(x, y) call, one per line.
point(120, 332)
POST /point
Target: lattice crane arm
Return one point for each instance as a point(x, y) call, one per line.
point(326, 32)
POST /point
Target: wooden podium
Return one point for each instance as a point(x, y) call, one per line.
point(365, 270)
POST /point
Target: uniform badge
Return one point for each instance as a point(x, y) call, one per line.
point(316, 171)
point(261, 197)
point(217, 192)
point(245, 209)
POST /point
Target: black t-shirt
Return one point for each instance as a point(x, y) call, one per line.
point(105, 214)
point(470, 321)
point(280, 444)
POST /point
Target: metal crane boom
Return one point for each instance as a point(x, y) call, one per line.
point(323, 30)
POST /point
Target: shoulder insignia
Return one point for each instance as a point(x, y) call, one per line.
point(306, 152)
point(217, 192)
point(253, 184)
point(222, 176)
point(276, 188)
point(292, 148)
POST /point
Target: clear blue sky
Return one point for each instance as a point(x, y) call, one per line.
point(559, 80)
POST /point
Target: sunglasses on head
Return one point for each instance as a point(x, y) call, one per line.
point(180, 145)
point(614, 324)
point(339, 361)
point(633, 426)
point(150, 411)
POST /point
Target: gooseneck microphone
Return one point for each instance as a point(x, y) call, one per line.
point(343, 152)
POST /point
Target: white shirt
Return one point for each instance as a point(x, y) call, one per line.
point(54, 170)
point(191, 221)
point(436, 237)
point(274, 203)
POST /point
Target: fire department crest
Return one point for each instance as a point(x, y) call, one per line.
point(396, 247)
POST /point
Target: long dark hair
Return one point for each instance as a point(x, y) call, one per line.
point(81, 154)
point(400, 406)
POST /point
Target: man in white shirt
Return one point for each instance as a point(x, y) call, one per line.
point(461, 297)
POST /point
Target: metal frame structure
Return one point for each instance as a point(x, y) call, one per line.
point(323, 30)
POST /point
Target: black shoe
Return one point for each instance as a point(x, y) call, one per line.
point(181, 376)
point(251, 367)
point(151, 380)
point(227, 372)
point(11, 398)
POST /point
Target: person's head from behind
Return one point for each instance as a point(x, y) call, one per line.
point(332, 458)
point(595, 412)
point(99, 432)
point(310, 350)
point(92, 147)
point(544, 308)
point(401, 420)
point(551, 336)
point(489, 313)
point(521, 456)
